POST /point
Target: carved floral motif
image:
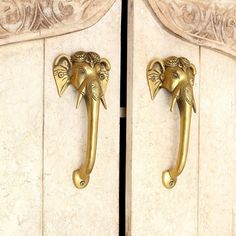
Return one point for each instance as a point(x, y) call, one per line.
point(209, 23)
point(47, 17)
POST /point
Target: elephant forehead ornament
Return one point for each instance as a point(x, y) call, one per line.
point(89, 74)
point(176, 75)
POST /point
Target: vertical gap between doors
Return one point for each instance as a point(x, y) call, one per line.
point(123, 103)
point(43, 104)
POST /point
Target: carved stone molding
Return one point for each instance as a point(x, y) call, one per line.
point(210, 23)
point(31, 19)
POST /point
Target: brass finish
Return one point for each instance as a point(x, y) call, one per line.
point(89, 74)
point(176, 75)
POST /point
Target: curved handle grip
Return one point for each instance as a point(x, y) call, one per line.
point(176, 75)
point(81, 175)
point(169, 177)
point(89, 74)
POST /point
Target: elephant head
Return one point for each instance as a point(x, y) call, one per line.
point(89, 74)
point(176, 75)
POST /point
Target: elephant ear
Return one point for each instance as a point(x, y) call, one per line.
point(104, 78)
point(155, 71)
point(192, 74)
point(61, 72)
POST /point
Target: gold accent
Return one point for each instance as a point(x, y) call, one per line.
point(176, 75)
point(89, 74)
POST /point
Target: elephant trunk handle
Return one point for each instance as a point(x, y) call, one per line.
point(88, 73)
point(176, 75)
point(81, 175)
point(169, 177)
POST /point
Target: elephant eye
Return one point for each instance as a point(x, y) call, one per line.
point(102, 76)
point(175, 75)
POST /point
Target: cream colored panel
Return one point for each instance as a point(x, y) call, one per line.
point(93, 210)
point(21, 106)
point(155, 132)
point(217, 175)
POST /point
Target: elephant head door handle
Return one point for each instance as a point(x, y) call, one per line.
point(89, 74)
point(176, 75)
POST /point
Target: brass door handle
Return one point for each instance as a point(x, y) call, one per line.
point(89, 74)
point(176, 75)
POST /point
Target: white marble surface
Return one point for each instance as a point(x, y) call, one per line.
point(21, 119)
point(202, 203)
point(217, 161)
point(155, 131)
point(43, 139)
point(93, 210)
point(204, 200)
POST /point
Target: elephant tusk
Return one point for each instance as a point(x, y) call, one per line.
point(104, 102)
point(80, 96)
point(174, 99)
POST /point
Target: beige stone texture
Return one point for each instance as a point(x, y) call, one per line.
point(155, 134)
point(21, 106)
point(204, 199)
point(43, 139)
point(93, 210)
point(217, 160)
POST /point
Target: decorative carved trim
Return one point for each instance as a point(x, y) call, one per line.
point(210, 23)
point(30, 19)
